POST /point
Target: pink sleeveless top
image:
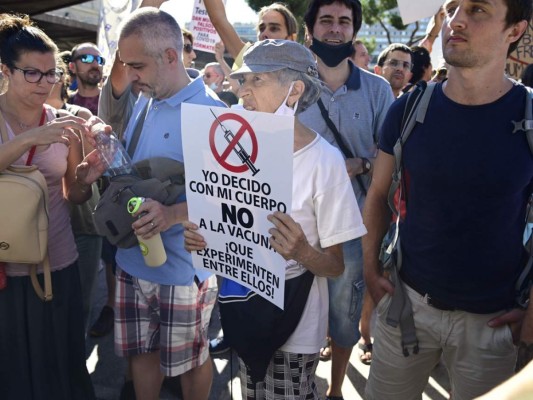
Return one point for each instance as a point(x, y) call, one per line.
point(52, 163)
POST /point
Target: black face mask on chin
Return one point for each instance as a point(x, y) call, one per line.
point(332, 55)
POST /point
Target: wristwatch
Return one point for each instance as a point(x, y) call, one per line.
point(367, 165)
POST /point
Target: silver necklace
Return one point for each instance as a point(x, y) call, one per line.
point(21, 124)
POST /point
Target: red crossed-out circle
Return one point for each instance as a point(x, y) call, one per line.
point(245, 128)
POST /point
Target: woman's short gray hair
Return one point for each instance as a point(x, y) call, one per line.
point(313, 87)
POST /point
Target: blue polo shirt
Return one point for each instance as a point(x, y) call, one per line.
point(358, 109)
point(161, 137)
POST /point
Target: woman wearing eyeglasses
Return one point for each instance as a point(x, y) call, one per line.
point(42, 348)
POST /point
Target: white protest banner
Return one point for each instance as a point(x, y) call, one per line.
point(238, 167)
point(414, 10)
point(519, 59)
point(205, 34)
point(112, 13)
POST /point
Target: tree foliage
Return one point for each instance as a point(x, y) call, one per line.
point(382, 12)
point(385, 13)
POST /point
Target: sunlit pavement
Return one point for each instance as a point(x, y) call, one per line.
point(107, 370)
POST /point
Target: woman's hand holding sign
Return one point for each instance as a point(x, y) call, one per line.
point(193, 240)
point(289, 240)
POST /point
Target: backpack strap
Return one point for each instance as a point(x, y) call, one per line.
point(46, 294)
point(524, 282)
point(401, 310)
point(526, 124)
point(415, 111)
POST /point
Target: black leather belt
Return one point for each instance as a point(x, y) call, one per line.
point(439, 305)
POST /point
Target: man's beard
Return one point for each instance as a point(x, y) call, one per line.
point(464, 59)
point(90, 79)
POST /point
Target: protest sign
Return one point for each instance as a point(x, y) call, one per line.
point(522, 56)
point(238, 167)
point(414, 10)
point(112, 13)
point(203, 31)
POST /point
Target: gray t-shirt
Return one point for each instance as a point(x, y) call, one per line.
point(116, 111)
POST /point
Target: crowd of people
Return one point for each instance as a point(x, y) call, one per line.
point(436, 258)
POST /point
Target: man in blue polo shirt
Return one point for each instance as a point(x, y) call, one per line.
point(355, 102)
point(162, 313)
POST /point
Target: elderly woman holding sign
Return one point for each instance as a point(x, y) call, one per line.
point(280, 77)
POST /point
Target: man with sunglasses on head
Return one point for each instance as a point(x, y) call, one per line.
point(394, 64)
point(87, 65)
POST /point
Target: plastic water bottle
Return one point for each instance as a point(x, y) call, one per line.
point(152, 249)
point(113, 154)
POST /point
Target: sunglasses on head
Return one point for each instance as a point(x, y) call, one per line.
point(89, 58)
point(187, 48)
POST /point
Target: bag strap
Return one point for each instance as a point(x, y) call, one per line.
point(46, 294)
point(415, 111)
point(3, 129)
point(5, 136)
point(345, 150)
point(138, 129)
point(524, 282)
point(401, 310)
point(33, 148)
point(526, 124)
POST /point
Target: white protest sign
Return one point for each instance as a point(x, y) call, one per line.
point(519, 59)
point(205, 34)
point(238, 167)
point(112, 13)
point(414, 10)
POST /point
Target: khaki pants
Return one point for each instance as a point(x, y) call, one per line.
point(477, 357)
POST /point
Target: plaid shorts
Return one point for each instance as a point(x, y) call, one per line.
point(172, 319)
point(289, 376)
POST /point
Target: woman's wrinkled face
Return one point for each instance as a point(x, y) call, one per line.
point(262, 92)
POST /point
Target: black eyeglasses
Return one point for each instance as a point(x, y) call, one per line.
point(187, 48)
point(89, 58)
point(35, 76)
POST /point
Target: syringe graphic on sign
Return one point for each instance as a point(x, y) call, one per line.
point(237, 148)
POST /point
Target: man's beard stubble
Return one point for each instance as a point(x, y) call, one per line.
point(90, 79)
